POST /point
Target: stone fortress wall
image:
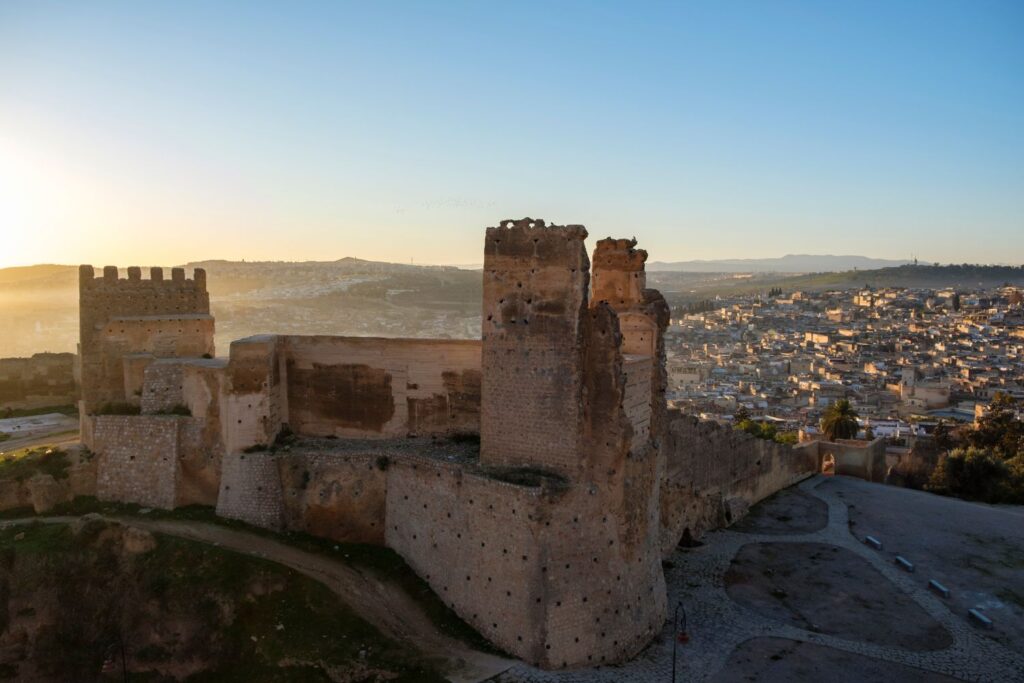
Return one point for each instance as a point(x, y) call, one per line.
point(44, 379)
point(716, 472)
point(547, 536)
point(125, 321)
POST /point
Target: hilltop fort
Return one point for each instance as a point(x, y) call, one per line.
point(534, 478)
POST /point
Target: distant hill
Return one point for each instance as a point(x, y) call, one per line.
point(790, 263)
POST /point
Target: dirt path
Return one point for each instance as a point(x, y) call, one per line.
point(382, 604)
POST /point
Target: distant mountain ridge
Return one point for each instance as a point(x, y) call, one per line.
point(790, 263)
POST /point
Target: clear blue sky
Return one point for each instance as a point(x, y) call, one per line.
point(149, 132)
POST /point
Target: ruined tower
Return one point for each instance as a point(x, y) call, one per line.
point(574, 385)
point(534, 299)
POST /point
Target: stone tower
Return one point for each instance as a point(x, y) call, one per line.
point(125, 323)
point(534, 300)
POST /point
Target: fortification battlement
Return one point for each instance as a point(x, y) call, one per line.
point(111, 278)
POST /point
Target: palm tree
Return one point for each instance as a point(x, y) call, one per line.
point(840, 421)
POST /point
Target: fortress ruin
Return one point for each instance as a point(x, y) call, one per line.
point(534, 478)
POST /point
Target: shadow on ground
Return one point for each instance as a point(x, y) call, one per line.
point(770, 660)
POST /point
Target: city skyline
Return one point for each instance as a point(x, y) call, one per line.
point(395, 132)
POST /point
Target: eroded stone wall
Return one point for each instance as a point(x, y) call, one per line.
point(714, 473)
point(138, 458)
point(373, 387)
point(535, 295)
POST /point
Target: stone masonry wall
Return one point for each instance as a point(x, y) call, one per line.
point(106, 298)
point(476, 541)
point(334, 495)
point(138, 458)
point(535, 294)
point(714, 473)
point(374, 387)
point(250, 490)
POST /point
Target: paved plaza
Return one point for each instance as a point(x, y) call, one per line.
point(877, 622)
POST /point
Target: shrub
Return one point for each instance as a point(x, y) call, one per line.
point(118, 408)
point(178, 409)
point(979, 474)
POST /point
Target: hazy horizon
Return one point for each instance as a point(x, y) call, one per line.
point(395, 131)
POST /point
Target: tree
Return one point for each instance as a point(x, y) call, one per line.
point(979, 474)
point(943, 437)
point(956, 302)
point(840, 421)
point(999, 429)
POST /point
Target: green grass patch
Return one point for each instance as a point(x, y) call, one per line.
point(23, 464)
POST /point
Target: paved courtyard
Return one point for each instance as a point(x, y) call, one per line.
point(833, 608)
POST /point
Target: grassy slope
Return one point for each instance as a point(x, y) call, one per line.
point(382, 562)
point(242, 616)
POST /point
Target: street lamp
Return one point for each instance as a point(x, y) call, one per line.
point(681, 636)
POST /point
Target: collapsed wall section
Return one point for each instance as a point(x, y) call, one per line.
point(535, 294)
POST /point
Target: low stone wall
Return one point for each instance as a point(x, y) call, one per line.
point(138, 458)
point(714, 473)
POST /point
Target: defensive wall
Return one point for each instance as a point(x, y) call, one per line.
point(714, 473)
point(44, 379)
point(130, 316)
point(533, 478)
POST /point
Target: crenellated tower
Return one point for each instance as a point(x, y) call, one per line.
point(126, 322)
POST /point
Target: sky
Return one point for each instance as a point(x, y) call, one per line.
point(143, 133)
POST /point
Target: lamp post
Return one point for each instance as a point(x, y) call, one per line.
point(681, 636)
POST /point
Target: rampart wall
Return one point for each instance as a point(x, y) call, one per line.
point(372, 387)
point(714, 473)
point(44, 379)
point(139, 462)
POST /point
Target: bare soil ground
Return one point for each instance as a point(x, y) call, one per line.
point(974, 550)
point(827, 589)
point(790, 511)
point(770, 660)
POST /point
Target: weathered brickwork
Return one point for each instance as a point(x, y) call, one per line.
point(139, 458)
point(535, 296)
point(250, 490)
point(122, 316)
point(45, 379)
point(372, 387)
point(715, 473)
point(547, 538)
point(336, 496)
